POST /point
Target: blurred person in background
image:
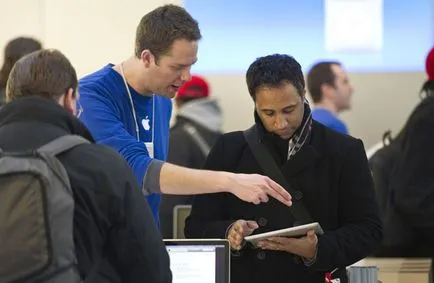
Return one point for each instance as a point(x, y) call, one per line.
point(330, 89)
point(14, 50)
point(403, 173)
point(197, 127)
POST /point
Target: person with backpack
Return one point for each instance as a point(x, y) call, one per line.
point(326, 173)
point(403, 174)
point(70, 210)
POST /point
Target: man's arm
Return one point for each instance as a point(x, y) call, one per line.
point(208, 217)
point(252, 188)
point(102, 118)
point(155, 175)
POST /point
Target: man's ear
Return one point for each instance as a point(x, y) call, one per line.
point(326, 90)
point(68, 100)
point(147, 57)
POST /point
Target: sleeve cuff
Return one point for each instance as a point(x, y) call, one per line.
point(151, 180)
point(309, 262)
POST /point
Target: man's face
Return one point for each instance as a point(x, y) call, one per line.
point(342, 89)
point(280, 109)
point(173, 69)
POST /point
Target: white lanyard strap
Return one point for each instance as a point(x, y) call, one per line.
point(133, 110)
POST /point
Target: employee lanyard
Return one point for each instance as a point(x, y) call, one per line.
point(134, 110)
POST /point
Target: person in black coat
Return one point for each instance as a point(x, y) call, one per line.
point(327, 171)
point(112, 221)
point(404, 180)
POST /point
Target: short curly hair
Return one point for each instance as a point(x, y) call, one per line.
point(272, 71)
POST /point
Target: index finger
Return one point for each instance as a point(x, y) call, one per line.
point(278, 192)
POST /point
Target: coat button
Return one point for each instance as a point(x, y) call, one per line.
point(297, 195)
point(262, 221)
point(261, 255)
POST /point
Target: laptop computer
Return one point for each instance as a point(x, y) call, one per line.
point(199, 260)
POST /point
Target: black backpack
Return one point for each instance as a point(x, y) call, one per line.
point(36, 215)
point(397, 234)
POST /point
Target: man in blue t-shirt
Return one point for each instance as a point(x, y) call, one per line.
point(330, 90)
point(127, 106)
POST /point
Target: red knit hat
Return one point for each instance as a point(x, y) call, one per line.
point(197, 87)
point(429, 65)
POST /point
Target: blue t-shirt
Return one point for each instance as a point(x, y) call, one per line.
point(330, 120)
point(108, 114)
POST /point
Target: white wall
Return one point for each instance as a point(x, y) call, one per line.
point(15, 21)
point(93, 33)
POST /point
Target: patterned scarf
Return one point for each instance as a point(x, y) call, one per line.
point(302, 134)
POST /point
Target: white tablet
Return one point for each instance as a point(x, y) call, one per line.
point(297, 231)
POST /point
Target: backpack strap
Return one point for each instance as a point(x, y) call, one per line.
point(271, 169)
point(62, 144)
point(55, 147)
point(198, 139)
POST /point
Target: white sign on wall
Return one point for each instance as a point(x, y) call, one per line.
point(353, 25)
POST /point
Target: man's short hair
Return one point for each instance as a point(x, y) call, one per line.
point(320, 73)
point(273, 71)
point(45, 73)
point(159, 29)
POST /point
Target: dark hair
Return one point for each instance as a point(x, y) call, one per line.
point(14, 50)
point(45, 73)
point(426, 95)
point(272, 71)
point(159, 28)
point(414, 117)
point(320, 73)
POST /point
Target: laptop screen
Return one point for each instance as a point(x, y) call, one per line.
point(199, 261)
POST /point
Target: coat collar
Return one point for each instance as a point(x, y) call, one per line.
point(305, 158)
